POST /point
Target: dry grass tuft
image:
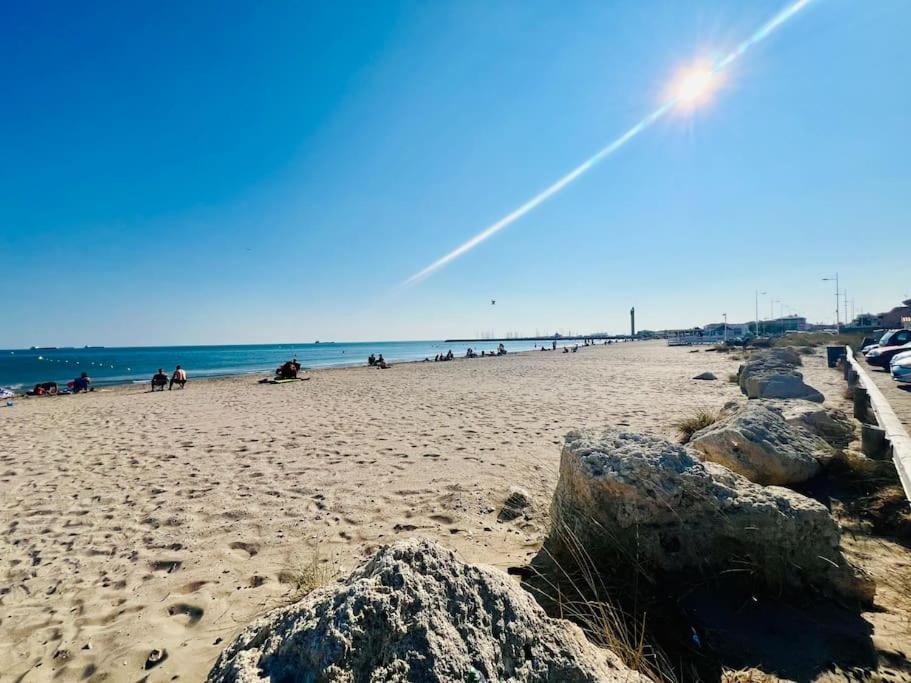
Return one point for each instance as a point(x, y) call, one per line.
point(687, 426)
point(577, 591)
point(305, 575)
point(746, 676)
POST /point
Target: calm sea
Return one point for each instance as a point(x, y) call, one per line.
point(22, 369)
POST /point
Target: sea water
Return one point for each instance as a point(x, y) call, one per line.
point(22, 369)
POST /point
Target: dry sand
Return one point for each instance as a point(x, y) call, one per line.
point(134, 521)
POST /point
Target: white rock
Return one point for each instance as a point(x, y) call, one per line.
point(631, 497)
point(758, 443)
point(416, 613)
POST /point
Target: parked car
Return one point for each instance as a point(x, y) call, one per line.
point(881, 356)
point(890, 338)
point(901, 367)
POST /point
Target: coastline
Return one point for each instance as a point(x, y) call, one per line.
point(137, 521)
point(20, 372)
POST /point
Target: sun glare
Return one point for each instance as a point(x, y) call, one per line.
point(694, 85)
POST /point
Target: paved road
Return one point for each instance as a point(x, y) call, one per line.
point(898, 395)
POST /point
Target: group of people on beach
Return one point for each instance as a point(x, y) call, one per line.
point(471, 353)
point(378, 362)
point(160, 379)
point(74, 386)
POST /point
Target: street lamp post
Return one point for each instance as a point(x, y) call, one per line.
point(837, 303)
point(725, 328)
point(757, 310)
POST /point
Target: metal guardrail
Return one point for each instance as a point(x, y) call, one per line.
point(896, 435)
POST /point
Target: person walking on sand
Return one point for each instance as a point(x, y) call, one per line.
point(179, 378)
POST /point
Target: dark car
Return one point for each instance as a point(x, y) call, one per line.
point(890, 338)
point(881, 356)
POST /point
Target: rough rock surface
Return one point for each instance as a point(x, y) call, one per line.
point(773, 374)
point(625, 496)
point(758, 443)
point(416, 613)
point(705, 375)
point(517, 502)
point(833, 426)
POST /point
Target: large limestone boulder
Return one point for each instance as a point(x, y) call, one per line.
point(758, 443)
point(773, 374)
point(832, 426)
point(628, 498)
point(416, 613)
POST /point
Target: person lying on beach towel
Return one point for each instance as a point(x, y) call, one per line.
point(179, 378)
point(44, 389)
point(159, 379)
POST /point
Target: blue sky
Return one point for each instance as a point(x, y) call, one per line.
point(221, 172)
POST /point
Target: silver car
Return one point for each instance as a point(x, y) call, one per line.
point(900, 367)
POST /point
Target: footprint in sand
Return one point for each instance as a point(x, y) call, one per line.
point(169, 566)
point(192, 612)
point(191, 587)
point(250, 548)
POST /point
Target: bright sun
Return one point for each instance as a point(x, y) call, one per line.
point(694, 85)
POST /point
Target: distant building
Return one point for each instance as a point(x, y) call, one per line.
point(716, 330)
point(900, 316)
point(789, 323)
point(864, 321)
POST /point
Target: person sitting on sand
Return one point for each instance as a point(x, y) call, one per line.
point(565, 349)
point(371, 360)
point(470, 353)
point(288, 370)
point(159, 379)
point(81, 383)
point(179, 378)
point(449, 355)
point(501, 350)
point(381, 363)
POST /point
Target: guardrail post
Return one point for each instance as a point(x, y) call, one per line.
point(861, 404)
point(873, 442)
point(868, 399)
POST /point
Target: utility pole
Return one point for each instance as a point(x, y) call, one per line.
point(837, 302)
point(632, 322)
point(725, 328)
point(757, 310)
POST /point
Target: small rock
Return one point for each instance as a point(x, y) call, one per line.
point(705, 375)
point(155, 658)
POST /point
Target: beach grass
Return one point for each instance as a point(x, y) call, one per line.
point(699, 419)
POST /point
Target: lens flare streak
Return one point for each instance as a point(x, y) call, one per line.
point(681, 97)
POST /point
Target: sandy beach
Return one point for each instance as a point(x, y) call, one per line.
point(135, 521)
